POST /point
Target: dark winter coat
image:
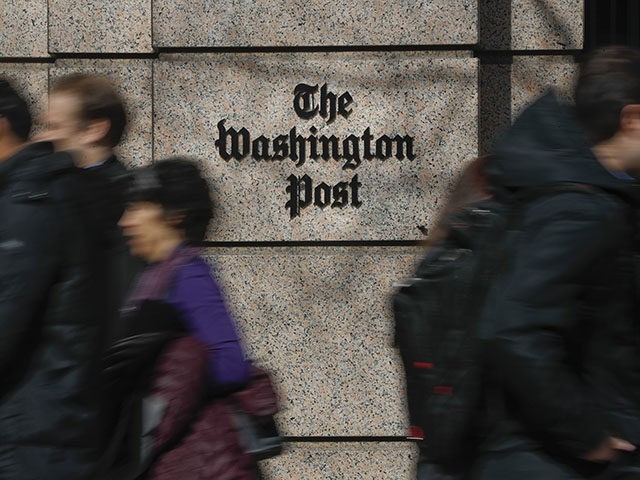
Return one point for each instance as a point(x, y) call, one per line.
point(560, 327)
point(50, 402)
point(187, 431)
point(103, 190)
point(210, 447)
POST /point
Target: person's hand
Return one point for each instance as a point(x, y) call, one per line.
point(608, 449)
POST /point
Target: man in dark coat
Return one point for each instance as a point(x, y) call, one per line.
point(560, 327)
point(50, 400)
point(87, 118)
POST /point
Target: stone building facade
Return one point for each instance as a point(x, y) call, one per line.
point(330, 131)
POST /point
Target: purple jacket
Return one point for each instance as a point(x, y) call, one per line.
point(196, 295)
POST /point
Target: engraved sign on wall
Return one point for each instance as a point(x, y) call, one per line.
point(348, 152)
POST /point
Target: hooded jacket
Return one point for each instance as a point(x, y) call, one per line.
point(50, 399)
point(560, 328)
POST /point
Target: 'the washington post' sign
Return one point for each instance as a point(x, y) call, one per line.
point(349, 152)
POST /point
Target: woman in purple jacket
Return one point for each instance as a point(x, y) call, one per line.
point(168, 213)
point(169, 210)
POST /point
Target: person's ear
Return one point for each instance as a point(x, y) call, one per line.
point(175, 218)
point(97, 130)
point(630, 118)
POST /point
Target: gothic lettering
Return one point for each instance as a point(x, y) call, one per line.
point(302, 192)
point(299, 191)
point(311, 101)
point(322, 195)
point(304, 102)
point(349, 151)
point(235, 137)
point(328, 106)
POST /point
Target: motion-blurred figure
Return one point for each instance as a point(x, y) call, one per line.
point(87, 118)
point(168, 213)
point(50, 405)
point(560, 327)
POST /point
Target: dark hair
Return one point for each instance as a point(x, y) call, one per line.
point(471, 186)
point(14, 108)
point(176, 184)
point(98, 100)
point(609, 80)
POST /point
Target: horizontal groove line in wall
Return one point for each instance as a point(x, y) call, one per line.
point(315, 243)
point(106, 55)
point(317, 48)
point(346, 439)
point(477, 52)
point(27, 60)
point(80, 56)
point(527, 53)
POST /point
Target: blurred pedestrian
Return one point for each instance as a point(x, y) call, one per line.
point(168, 213)
point(87, 117)
point(560, 325)
point(51, 422)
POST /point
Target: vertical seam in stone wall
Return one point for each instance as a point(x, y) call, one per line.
point(48, 31)
point(494, 83)
point(153, 36)
point(153, 110)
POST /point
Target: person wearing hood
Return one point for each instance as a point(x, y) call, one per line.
point(560, 326)
point(51, 423)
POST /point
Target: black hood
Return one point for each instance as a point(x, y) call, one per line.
point(546, 145)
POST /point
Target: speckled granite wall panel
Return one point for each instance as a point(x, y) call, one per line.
point(201, 23)
point(320, 320)
point(506, 89)
point(103, 26)
point(133, 79)
point(495, 103)
point(23, 28)
point(532, 76)
point(533, 24)
point(432, 100)
point(31, 81)
point(343, 461)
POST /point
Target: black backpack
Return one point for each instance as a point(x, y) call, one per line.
point(436, 313)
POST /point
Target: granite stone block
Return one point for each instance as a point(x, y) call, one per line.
point(102, 26)
point(532, 76)
point(133, 79)
point(343, 461)
point(30, 80)
point(23, 28)
point(382, 191)
point(531, 24)
point(506, 89)
point(201, 23)
point(319, 318)
point(494, 114)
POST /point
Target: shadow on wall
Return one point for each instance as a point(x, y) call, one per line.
point(496, 83)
